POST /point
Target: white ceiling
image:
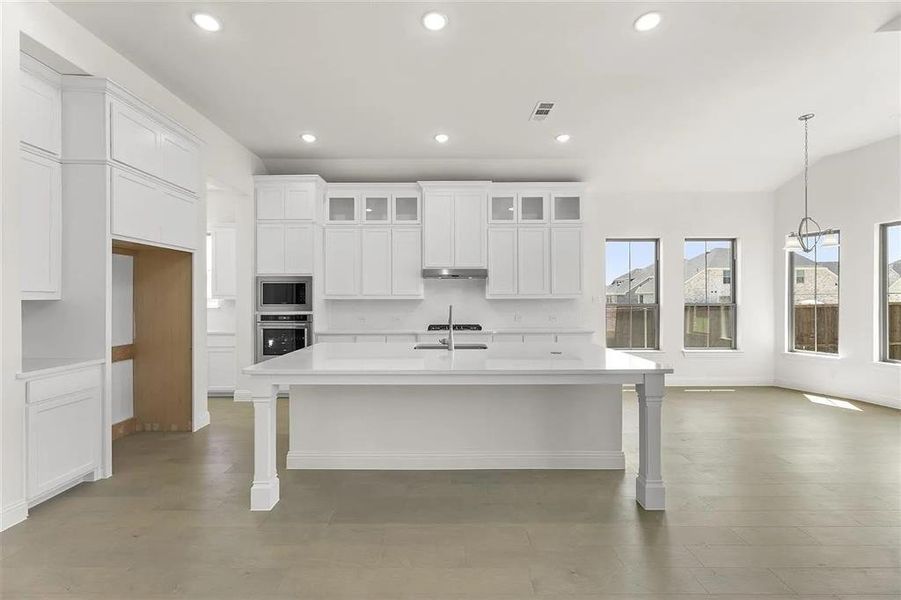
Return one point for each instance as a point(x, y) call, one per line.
point(708, 101)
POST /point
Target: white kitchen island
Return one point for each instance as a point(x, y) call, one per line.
point(510, 406)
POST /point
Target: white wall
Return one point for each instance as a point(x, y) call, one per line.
point(225, 160)
point(122, 392)
point(854, 191)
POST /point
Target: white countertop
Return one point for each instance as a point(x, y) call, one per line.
point(336, 361)
point(40, 367)
point(524, 330)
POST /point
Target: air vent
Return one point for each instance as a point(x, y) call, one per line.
point(541, 111)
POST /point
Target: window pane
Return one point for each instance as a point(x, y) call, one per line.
point(827, 328)
point(696, 326)
point(815, 299)
point(643, 256)
point(719, 264)
point(694, 283)
point(616, 271)
point(644, 327)
point(721, 325)
point(893, 291)
point(631, 278)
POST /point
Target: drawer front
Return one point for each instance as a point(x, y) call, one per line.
point(41, 390)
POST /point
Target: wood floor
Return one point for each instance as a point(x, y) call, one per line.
point(768, 493)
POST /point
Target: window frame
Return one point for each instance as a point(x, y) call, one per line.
point(656, 304)
point(884, 351)
point(733, 270)
point(791, 306)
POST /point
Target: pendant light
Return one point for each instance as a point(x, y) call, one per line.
point(809, 234)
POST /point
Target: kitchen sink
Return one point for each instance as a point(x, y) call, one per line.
point(456, 347)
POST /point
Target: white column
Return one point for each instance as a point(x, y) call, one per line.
point(264, 492)
point(649, 488)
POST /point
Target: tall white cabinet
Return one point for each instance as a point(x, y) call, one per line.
point(285, 219)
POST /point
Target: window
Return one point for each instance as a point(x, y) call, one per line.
point(709, 293)
point(814, 300)
point(891, 291)
point(633, 312)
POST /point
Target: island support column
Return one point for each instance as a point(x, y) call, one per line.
point(649, 489)
point(264, 493)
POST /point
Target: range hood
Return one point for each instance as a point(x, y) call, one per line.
point(455, 273)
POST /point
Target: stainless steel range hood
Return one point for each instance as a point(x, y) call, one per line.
point(455, 273)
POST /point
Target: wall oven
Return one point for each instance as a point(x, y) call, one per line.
point(284, 294)
point(279, 334)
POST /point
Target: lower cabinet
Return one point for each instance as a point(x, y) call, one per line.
point(63, 421)
point(40, 234)
point(372, 262)
point(142, 209)
point(222, 363)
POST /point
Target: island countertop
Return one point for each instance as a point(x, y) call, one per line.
point(338, 363)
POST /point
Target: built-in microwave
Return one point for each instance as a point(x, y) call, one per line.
point(284, 294)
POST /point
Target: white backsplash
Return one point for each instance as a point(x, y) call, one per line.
point(470, 306)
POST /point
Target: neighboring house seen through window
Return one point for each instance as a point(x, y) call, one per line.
point(814, 300)
point(891, 291)
point(632, 278)
point(709, 290)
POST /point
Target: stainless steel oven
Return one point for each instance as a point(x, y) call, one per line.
point(279, 334)
point(284, 294)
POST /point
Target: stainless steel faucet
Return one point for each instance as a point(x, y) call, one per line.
point(449, 340)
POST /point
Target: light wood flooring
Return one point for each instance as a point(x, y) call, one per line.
point(768, 493)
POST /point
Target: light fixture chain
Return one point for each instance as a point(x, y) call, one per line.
point(806, 167)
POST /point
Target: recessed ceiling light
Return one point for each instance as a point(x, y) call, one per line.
point(562, 138)
point(308, 138)
point(442, 138)
point(647, 21)
point(206, 22)
point(434, 21)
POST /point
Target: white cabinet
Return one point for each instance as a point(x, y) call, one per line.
point(145, 210)
point(63, 422)
point(566, 261)
point(377, 208)
point(39, 106)
point(285, 248)
point(406, 262)
point(141, 142)
point(375, 261)
point(342, 262)
point(40, 235)
point(222, 365)
point(567, 207)
point(518, 206)
point(405, 208)
point(501, 261)
point(454, 226)
point(533, 261)
point(342, 207)
point(285, 201)
point(224, 259)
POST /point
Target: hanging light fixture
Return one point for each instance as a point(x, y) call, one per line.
point(809, 234)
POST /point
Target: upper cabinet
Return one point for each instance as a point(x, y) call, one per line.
point(285, 231)
point(372, 204)
point(567, 207)
point(454, 231)
point(509, 205)
point(39, 106)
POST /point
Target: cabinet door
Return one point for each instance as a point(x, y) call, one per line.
point(178, 218)
point(181, 162)
point(406, 209)
point(438, 229)
point(567, 208)
point(134, 212)
point(566, 261)
point(40, 214)
point(39, 113)
point(533, 207)
point(469, 230)
point(224, 261)
point(221, 369)
point(502, 208)
point(501, 261)
point(342, 208)
point(134, 139)
point(299, 249)
point(406, 262)
point(342, 261)
point(270, 201)
point(376, 208)
point(375, 262)
point(270, 248)
point(533, 261)
point(299, 202)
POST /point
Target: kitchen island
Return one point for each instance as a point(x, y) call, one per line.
point(509, 406)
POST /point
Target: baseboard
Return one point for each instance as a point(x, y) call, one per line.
point(123, 428)
point(718, 382)
point(218, 392)
point(201, 422)
point(612, 459)
point(886, 401)
point(13, 514)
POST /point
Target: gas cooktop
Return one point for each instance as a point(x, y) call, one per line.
point(457, 327)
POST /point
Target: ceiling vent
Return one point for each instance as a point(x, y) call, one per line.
point(541, 111)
